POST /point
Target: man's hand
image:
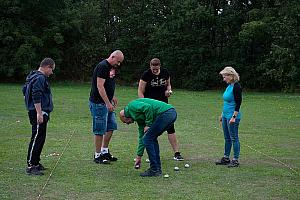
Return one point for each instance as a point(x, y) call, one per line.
point(39, 118)
point(110, 107)
point(138, 161)
point(115, 102)
point(146, 129)
point(168, 93)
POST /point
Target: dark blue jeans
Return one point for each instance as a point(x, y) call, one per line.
point(160, 124)
point(231, 137)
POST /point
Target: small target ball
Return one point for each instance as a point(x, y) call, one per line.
point(186, 165)
point(166, 176)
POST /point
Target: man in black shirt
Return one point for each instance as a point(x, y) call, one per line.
point(155, 84)
point(102, 105)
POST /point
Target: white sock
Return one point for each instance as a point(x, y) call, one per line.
point(97, 154)
point(104, 150)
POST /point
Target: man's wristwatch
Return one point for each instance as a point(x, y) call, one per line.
point(233, 116)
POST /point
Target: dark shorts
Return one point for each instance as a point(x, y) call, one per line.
point(171, 129)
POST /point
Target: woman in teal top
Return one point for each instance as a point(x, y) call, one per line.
point(231, 116)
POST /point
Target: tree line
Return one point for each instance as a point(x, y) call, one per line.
point(194, 39)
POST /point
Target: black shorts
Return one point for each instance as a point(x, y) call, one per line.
point(171, 129)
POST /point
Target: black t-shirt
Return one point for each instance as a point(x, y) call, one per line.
point(102, 70)
point(156, 84)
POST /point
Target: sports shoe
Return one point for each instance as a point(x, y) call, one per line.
point(41, 167)
point(223, 161)
point(109, 157)
point(149, 173)
point(178, 157)
point(234, 163)
point(101, 160)
point(33, 170)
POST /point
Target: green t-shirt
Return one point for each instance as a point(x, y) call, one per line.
point(144, 111)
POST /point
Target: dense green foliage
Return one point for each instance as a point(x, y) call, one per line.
point(194, 39)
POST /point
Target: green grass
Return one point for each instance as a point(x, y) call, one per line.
point(269, 134)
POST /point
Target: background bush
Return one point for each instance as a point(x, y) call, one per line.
point(194, 39)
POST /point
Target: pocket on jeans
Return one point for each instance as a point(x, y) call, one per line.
point(100, 111)
point(99, 124)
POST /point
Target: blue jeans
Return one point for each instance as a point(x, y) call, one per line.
point(160, 124)
point(231, 137)
point(103, 121)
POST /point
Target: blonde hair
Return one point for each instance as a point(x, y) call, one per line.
point(230, 71)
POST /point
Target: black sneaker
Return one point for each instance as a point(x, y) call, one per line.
point(109, 157)
point(234, 163)
point(33, 170)
point(41, 167)
point(101, 160)
point(178, 157)
point(223, 161)
point(150, 173)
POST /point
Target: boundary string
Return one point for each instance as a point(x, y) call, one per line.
point(47, 181)
point(275, 159)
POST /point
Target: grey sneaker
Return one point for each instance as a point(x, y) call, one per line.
point(149, 173)
point(223, 161)
point(33, 170)
point(234, 163)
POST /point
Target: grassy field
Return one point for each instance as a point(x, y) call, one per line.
point(269, 134)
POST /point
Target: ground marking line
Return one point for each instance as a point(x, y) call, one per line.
point(284, 164)
point(47, 181)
